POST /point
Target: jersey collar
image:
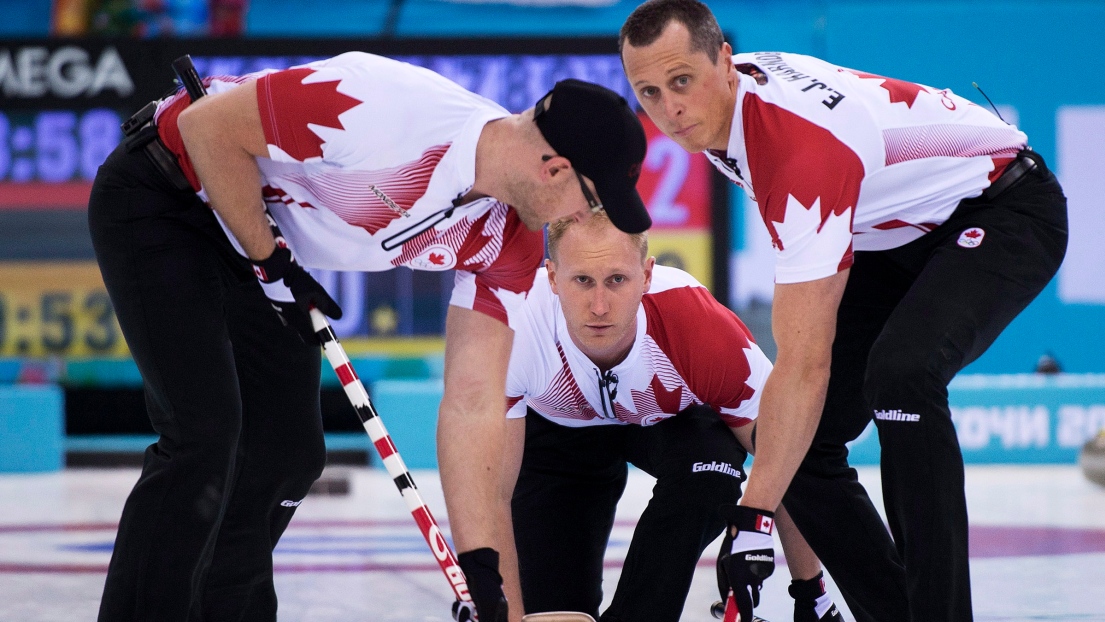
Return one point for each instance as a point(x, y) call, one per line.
point(631, 374)
point(736, 149)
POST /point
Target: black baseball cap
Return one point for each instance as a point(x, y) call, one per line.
point(596, 130)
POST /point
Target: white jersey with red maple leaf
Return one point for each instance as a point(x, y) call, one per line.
point(366, 157)
point(689, 349)
point(838, 159)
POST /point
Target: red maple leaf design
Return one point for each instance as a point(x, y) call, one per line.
point(668, 401)
point(973, 233)
point(288, 105)
point(791, 156)
point(437, 259)
point(900, 90)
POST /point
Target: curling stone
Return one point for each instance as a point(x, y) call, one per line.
point(1092, 459)
point(333, 482)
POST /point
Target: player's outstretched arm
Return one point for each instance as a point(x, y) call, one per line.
point(804, 325)
point(222, 134)
point(803, 322)
point(801, 560)
point(470, 436)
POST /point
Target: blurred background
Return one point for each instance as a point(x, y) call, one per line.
point(72, 70)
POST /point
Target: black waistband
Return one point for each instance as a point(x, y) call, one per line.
point(140, 132)
point(1026, 162)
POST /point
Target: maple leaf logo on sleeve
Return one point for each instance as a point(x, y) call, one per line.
point(290, 103)
point(900, 90)
point(806, 178)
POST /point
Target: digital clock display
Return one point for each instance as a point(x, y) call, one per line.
point(56, 308)
point(56, 145)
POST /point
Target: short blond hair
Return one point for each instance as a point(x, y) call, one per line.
point(600, 218)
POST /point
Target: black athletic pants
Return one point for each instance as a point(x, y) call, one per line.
point(910, 319)
point(233, 394)
point(567, 491)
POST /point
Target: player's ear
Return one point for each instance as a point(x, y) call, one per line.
point(650, 263)
point(726, 53)
point(553, 165)
point(550, 265)
point(725, 62)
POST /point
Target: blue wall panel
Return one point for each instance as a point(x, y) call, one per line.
point(25, 18)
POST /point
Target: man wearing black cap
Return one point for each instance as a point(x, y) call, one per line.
point(576, 126)
point(204, 221)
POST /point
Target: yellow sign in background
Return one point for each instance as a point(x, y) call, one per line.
point(56, 309)
point(688, 250)
point(62, 309)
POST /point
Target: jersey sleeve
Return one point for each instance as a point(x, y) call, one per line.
point(493, 277)
point(709, 347)
point(759, 367)
point(515, 407)
point(300, 111)
point(807, 185)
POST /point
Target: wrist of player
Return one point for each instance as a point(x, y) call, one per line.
point(275, 267)
point(811, 602)
point(751, 526)
point(304, 289)
point(292, 292)
point(485, 584)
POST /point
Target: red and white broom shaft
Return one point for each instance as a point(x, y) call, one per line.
point(381, 440)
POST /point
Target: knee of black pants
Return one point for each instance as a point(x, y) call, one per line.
point(292, 470)
point(905, 374)
point(307, 461)
point(564, 502)
point(694, 456)
point(697, 494)
point(280, 465)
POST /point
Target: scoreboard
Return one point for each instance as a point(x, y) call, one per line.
point(62, 102)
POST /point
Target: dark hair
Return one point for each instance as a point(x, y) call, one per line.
point(645, 24)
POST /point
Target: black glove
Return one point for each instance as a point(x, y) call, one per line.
point(485, 584)
point(747, 555)
point(810, 597)
point(299, 291)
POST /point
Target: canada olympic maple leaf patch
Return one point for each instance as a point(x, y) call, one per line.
point(436, 257)
point(971, 238)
